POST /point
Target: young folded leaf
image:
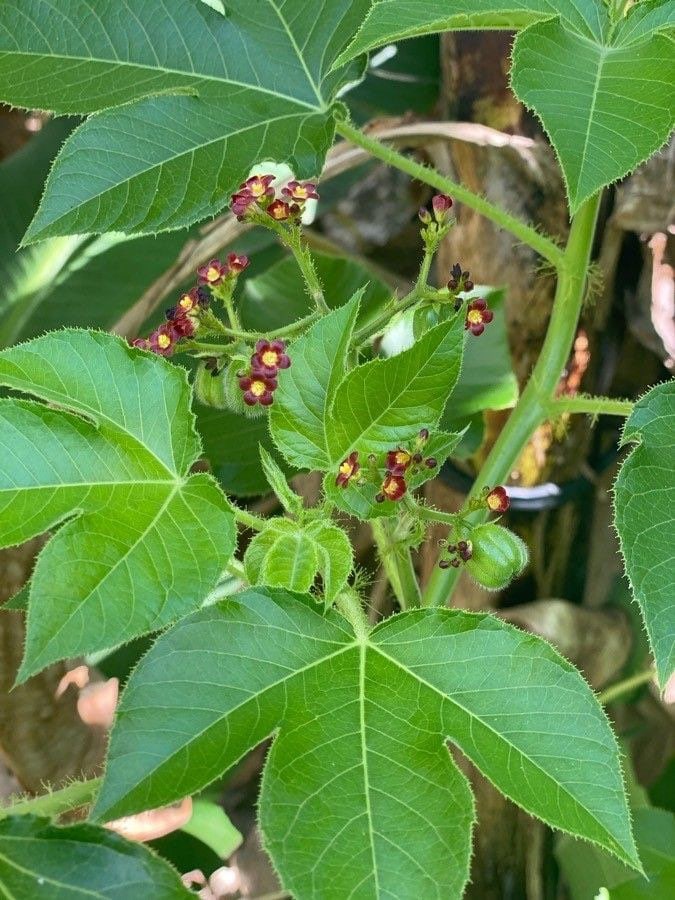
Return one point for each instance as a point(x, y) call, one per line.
point(140, 541)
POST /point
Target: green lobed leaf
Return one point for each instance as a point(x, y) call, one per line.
point(385, 402)
point(603, 91)
point(140, 541)
point(299, 418)
point(39, 859)
point(644, 516)
point(186, 100)
point(360, 795)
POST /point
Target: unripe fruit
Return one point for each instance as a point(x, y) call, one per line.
point(208, 385)
point(498, 556)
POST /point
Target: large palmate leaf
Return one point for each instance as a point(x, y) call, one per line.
point(385, 402)
point(143, 540)
point(602, 90)
point(39, 859)
point(300, 419)
point(187, 99)
point(360, 795)
point(644, 515)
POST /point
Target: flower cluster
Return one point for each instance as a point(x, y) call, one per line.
point(478, 316)
point(398, 464)
point(260, 382)
point(182, 320)
point(215, 273)
point(459, 280)
point(258, 193)
point(456, 554)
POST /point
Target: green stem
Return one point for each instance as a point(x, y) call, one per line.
point(285, 331)
point(534, 403)
point(247, 519)
point(398, 566)
point(72, 796)
point(617, 690)
point(605, 406)
point(436, 515)
point(350, 606)
point(544, 246)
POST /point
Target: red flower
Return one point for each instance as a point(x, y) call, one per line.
point(398, 461)
point(258, 186)
point(269, 357)
point(181, 325)
point(188, 302)
point(478, 316)
point(258, 389)
point(162, 340)
point(441, 205)
point(348, 468)
point(237, 264)
point(393, 488)
point(497, 499)
point(279, 210)
point(213, 273)
point(300, 191)
point(240, 202)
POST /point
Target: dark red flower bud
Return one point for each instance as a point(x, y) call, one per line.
point(417, 458)
point(444, 564)
point(431, 462)
point(441, 205)
point(423, 436)
point(269, 357)
point(454, 563)
point(348, 468)
point(478, 316)
point(279, 210)
point(380, 498)
point(300, 191)
point(258, 389)
point(141, 343)
point(497, 499)
point(237, 264)
point(468, 284)
point(398, 461)
point(452, 548)
point(424, 216)
point(462, 545)
point(240, 202)
point(394, 487)
point(213, 273)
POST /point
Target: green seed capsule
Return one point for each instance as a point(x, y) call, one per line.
point(498, 556)
point(208, 385)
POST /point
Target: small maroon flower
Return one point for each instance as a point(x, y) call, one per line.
point(188, 302)
point(259, 186)
point(441, 205)
point(393, 487)
point(182, 326)
point(213, 273)
point(398, 461)
point(300, 191)
point(478, 316)
point(163, 340)
point(236, 264)
point(258, 389)
point(269, 357)
point(141, 343)
point(240, 202)
point(279, 210)
point(497, 499)
point(431, 462)
point(464, 550)
point(348, 468)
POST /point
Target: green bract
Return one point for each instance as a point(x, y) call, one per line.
point(644, 514)
point(602, 89)
point(187, 99)
point(360, 794)
point(140, 541)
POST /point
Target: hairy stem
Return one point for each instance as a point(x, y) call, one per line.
point(247, 519)
point(603, 406)
point(350, 606)
point(533, 406)
point(397, 564)
point(72, 796)
point(543, 245)
point(614, 691)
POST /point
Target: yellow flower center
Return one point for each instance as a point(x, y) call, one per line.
point(270, 358)
point(390, 487)
point(300, 193)
point(257, 188)
point(402, 458)
point(493, 501)
point(212, 274)
point(475, 316)
point(163, 341)
point(186, 302)
point(258, 388)
point(346, 468)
